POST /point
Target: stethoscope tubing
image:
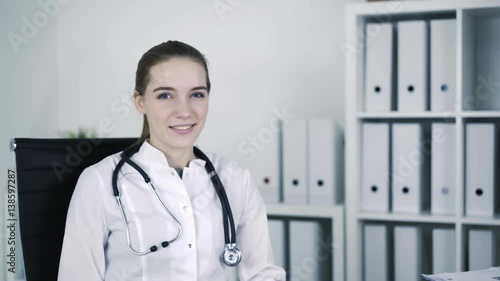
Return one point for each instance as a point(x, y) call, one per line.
point(226, 209)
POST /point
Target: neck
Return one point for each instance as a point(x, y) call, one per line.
point(176, 157)
point(179, 158)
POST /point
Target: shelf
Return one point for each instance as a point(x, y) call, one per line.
point(477, 99)
point(481, 221)
point(333, 213)
point(421, 218)
point(481, 45)
point(413, 7)
point(428, 115)
point(409, 115)
point(304, 211)
point(480, 114)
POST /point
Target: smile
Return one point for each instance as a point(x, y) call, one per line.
point(182, 129)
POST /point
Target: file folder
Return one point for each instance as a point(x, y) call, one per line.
point(375, 256)
point(375, 167)
point(407, 161)
point(443, 250)
point(378, 68)
point(277, 236)
point(482, 249)
point(308, 257)
point(325, 162)
point(443, 186)
point(264, 168)
point(407, 253)
point(443, 66)
point(479, 165)
point(412, 65)
point(295, 162)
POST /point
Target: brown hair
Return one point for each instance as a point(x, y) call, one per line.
point(158, 54)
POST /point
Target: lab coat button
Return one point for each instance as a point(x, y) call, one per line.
point(185, 208)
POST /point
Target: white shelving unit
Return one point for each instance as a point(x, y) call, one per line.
point(473, 59)
point(335, 214)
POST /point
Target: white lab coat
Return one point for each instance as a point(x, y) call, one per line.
point(95, 245)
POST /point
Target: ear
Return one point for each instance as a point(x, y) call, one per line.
point(139, 102)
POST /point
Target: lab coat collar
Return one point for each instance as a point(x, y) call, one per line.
point(153, 157)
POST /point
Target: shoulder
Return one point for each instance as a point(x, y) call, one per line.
point(100, 170)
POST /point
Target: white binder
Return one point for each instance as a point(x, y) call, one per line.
point(307, 255)
point(277, 236)
point(479, 166)
point(325, 162)
point(443, 186)
point(443, 58)
point(407, 162)
point(264, 168)
point(378, 71)
point(412, 73)
point(375, 167)
point(407, 253)
point(375, 256)
point(443, 250)
point(482, 249)
point(295, 163)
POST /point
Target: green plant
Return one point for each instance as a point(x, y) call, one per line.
point(81, 133)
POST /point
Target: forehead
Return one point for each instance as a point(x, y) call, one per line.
point(177, 73)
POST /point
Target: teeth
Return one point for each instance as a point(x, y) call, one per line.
point(182, 128)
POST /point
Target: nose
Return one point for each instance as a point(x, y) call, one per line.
point(184, 109)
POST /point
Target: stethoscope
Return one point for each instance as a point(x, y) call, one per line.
point(231, 255)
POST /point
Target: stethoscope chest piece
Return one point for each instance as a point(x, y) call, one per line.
point(231, 255)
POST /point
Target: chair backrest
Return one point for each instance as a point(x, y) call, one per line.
point(47, 172)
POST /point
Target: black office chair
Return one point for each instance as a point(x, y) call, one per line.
point(47, 172)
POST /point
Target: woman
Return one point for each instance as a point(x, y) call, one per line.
point(172, 91)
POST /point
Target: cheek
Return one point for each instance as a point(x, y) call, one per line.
point(156, 114)
point(202, 110)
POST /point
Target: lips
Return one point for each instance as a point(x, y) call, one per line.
point(182, 129)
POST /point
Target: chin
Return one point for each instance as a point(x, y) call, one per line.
point(182, 143)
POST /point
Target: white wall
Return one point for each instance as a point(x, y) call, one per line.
point(78, 69)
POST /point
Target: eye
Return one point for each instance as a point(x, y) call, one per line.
point(198, 95)
point(164, 96)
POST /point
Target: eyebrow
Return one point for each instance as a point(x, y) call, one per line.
point(173, 89)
